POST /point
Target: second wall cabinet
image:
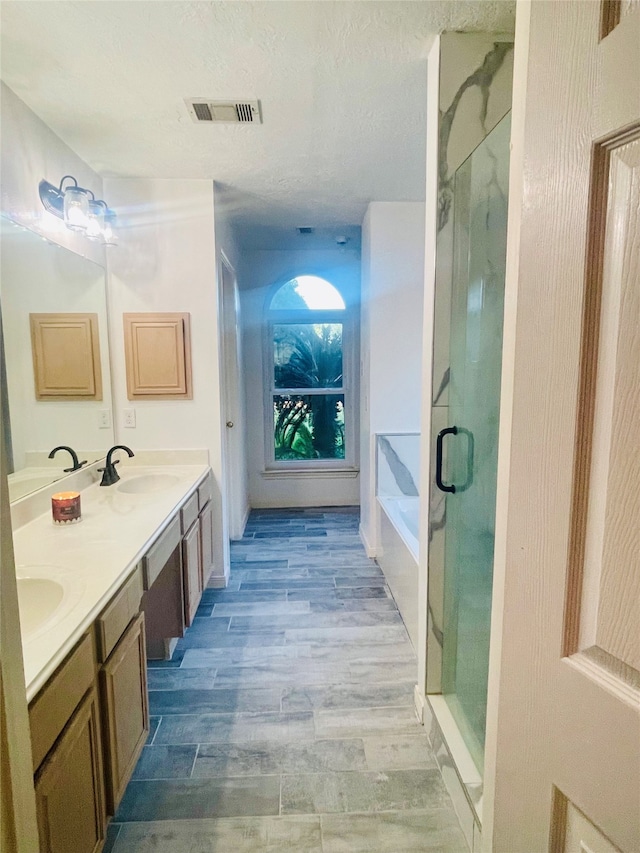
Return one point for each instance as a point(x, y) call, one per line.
point(158, 356)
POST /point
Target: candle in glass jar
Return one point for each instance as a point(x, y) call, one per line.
point(65, 507)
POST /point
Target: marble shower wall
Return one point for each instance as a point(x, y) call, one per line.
point(475, 94)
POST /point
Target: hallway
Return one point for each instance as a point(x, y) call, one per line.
point(285, 721)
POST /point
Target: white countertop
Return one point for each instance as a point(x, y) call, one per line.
point(92, 558)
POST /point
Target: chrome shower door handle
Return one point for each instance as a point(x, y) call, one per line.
point(439, 442)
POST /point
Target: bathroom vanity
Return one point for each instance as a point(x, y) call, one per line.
point(96, 598)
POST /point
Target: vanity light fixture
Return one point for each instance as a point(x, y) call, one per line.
point(80, 210)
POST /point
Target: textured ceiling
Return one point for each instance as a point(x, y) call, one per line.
point(342, 86)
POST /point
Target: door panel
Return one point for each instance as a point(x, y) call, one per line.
point(192, 572)
point(614, 499)
point(563, 753)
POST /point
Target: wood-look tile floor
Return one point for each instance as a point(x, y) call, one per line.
point(285, 721)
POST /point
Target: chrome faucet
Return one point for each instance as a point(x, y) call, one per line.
point(74, 456)
point(109, 473)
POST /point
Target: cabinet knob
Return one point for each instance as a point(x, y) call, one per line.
point(229, 424)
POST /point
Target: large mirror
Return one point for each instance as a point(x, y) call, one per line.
point(40, 282)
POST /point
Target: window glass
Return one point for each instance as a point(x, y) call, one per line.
point(307, 355)
point(307, 292)
point(308, 426)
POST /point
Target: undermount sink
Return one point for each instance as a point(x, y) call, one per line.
point(38, 600)
point(147, 483)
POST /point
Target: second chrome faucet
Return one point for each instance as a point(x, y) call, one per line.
point(109, 473)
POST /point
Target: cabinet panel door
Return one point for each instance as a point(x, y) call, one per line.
point(70, 787)
point(191, 560)
point(125, 709)
point(206, 542)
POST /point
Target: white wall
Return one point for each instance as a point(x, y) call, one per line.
point(259, 271)
point(166, 261)
point(391, 326)
point(30, 151)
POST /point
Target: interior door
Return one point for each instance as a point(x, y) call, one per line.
point(232, 401)
point(563, 738)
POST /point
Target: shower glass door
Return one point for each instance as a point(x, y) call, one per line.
point(469, 454)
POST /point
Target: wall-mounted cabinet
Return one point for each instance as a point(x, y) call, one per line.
point(158, 356)
point(66, 356)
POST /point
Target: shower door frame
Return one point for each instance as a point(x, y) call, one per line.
point(448, 729)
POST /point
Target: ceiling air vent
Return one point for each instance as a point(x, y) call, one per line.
point(228, 112)
point(305, 229)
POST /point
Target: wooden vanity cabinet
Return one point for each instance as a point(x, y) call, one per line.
point(125, 710)
point(176, 570)
point(206, 543)
point(89, 724)
point(67, 755)
point(205, 505)
point(70, 787)
point(192, 571)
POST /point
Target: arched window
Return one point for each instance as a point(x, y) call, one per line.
point(309, 405)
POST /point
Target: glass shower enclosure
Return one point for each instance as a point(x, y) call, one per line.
point(466, 440)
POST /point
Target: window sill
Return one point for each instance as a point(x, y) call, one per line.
point(315, 473)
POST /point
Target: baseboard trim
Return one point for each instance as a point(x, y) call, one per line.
point(371, 551)
point(245, 519)
point(419, 703)
point(220, 581)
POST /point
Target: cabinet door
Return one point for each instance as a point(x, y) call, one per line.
point(206, 542)
point(70, 787)
point(192, 574)
point(125, 709)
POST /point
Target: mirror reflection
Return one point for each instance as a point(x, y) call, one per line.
point(56, 358)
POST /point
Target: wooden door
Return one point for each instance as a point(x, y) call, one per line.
point(70, 787)
point(125, 709)
point(192, 572)
point(206, 542)
point(563, 736)
point(233, 408)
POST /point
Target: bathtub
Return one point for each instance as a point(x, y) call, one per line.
point(403, 513)
point(397, 555)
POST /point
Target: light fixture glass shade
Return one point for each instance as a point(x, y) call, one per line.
point(95, 220)
point(109, 234)
point(76, 208)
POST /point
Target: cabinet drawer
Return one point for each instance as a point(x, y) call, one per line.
point(205, 491)
point(56, 702)
point(189, 512)
point(160, 551)
point(113, 620)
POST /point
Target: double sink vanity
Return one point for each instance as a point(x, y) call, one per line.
point(97, 598)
